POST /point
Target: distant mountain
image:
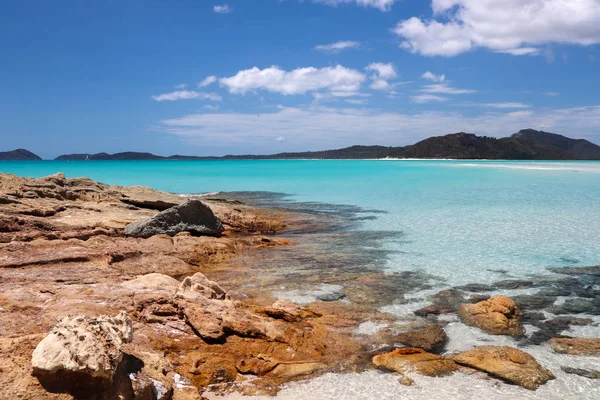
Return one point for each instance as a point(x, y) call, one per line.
point(19, 154)
point(527, 144)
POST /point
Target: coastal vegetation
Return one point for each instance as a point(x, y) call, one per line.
point(527, 144)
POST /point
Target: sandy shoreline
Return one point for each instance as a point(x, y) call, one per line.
point(206, 311)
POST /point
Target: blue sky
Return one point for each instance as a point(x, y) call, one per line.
point(212, 78)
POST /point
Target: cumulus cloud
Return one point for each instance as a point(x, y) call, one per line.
point(335, 127)
point(338, 79)
point(222, 9)
point(383, 5)
point(338, 47)
point(381, 73)
point(209, 80)
point(382, 70)
point(516, 27)
point(433, 77)
point(187, 95)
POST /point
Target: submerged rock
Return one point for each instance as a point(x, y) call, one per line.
point(507, 363)
point(412, 359)
point(497, 316)
point(433, 310)
point(82, 350)
point(429, 337)
point(586, 373)
point(192, 216)
point(576, 346)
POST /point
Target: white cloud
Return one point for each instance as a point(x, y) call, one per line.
point(427, 98)
point(381, 73)
point(551, 94)
point(505, 105)
point(211, 107)
point(433, 77)
point(222, 9)
point(356, 101)
point(335, 127)
point(209, 80)
point(337, 47)
point(337, 79)
point(383, 5)
point(380, 84)
point(181, 86)
point(509, 26)
point(187, 95)
point(382, 70)
point(445, 89)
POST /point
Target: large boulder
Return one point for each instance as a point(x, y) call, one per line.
point(83, 348)
point(576, 346)
point(507, 363)
point(429, 337)
point(497, 316)
point(192, 216)
point(404, 360)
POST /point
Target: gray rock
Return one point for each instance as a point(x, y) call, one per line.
point(531, 302)
point(331, 296)
point(192, 216)
point(514, 284)
point(586, 373)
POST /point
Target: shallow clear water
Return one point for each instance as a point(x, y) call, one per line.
point(459, 218)
point(459, 221)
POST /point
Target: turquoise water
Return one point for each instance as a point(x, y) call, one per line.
point(461, 222)
point(459, 218)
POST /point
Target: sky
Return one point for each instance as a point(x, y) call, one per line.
point(200, 77)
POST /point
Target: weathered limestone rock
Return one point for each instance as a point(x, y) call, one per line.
point(199, 287)
point(192, 216)
point(497, 316)
point(84, 347)
point(507, 363)
point(429, 337)
point(576, 346)
point(404, 360)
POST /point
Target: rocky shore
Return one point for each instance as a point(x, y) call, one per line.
point(129, 293)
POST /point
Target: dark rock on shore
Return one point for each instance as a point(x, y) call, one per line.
point(192, 216)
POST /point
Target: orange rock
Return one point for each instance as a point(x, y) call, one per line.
point(418, 360)
point(497, 316)
point(507, 363)
point(576, 346)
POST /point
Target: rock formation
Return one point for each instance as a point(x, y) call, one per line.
point(507, 363)
point(497, 316)
point(406, 359)
point(192, 216)
point(429, 337)
point(576, 346)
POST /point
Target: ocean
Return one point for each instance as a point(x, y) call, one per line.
point(458, 222)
